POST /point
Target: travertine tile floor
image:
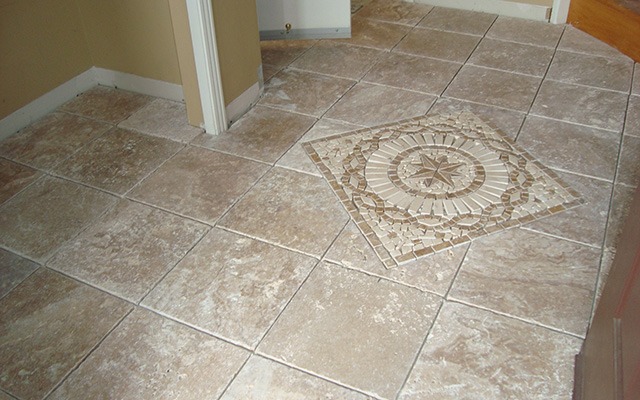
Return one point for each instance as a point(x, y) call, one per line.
point(141, 259)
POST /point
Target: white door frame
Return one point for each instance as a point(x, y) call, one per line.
point(560, 11)
point(205, 51)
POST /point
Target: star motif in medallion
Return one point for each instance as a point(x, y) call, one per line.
point(436, 169)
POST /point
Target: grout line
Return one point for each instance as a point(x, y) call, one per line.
point(543, 79)
point(320, 261)
point(533, 114)
point(86, 356)
point(247, 235)
point(194, 327)
point(233, 378)
point(38, 266)
point(596, 178)
point(587, 86)
point(317, 375)
point(594, 303)
point(43, 175)
point(422, 346)
point(517, 318)
point(555, 236)
point(171, 268)
point(276, 108)
point(455, 276)
point(381, 277)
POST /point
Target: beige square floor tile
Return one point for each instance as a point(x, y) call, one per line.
point(571, 147)
point(268, 71)
point(364, 105)
point(118, 160)
point(263, 379)
point(50, 140)
point(47, 325)
point(512, 57)
point(632, 124)
point(164, 118)
point(525, 31)
point(380, 35)
point(585, 223)
point(461, 21)
point(582, 105)
point(14, 178)
point(635, 88)
point(618, 215)
point(339, 59)
point(578, 41)
point(304, 92)
point(280, 53)
point(448, 46)
point(129, 250)
point(289, 208)
point(38, 220)
point(629, 164)
point(585, 69)
point(106, 104)
point(298, 159)
point(353, 328)
point(434, 273)
point(475, 354)
point(150, 357)
point(397, 11)
point(263, 134)
point(13, 270)
point(199, 183)
point(231, 286)
point(413, 73)
point(496, 88)
point(531, 276)
point(507, 121)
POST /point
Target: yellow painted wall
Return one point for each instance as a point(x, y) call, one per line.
point(238, 42)
point(42, 45)
point(132, 36)
point(186, 61)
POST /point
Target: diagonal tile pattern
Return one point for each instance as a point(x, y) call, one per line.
point(353, 328)
point(475, 354)
point(422, 185)
point(48, 324)
point(252, 283)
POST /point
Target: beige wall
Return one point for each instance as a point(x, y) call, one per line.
point(238, 45)
point(42, 45)
point(132, 36)
point(182, 35)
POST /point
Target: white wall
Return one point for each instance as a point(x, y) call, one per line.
point(308, 18)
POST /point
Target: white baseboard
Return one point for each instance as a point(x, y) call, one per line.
point(46, 103)
point(138, 84)
point(500, 7)
point(83, 82)
point(238, 107)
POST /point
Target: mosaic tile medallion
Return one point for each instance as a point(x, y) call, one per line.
point(425, 184)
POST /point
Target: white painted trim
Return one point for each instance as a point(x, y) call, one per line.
point(205, 51)
point(139, 84)
point(46, 103)
point(238, 107)
point(500, 7)
point(560, 11)
point(305, 34)
point(49, 101)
